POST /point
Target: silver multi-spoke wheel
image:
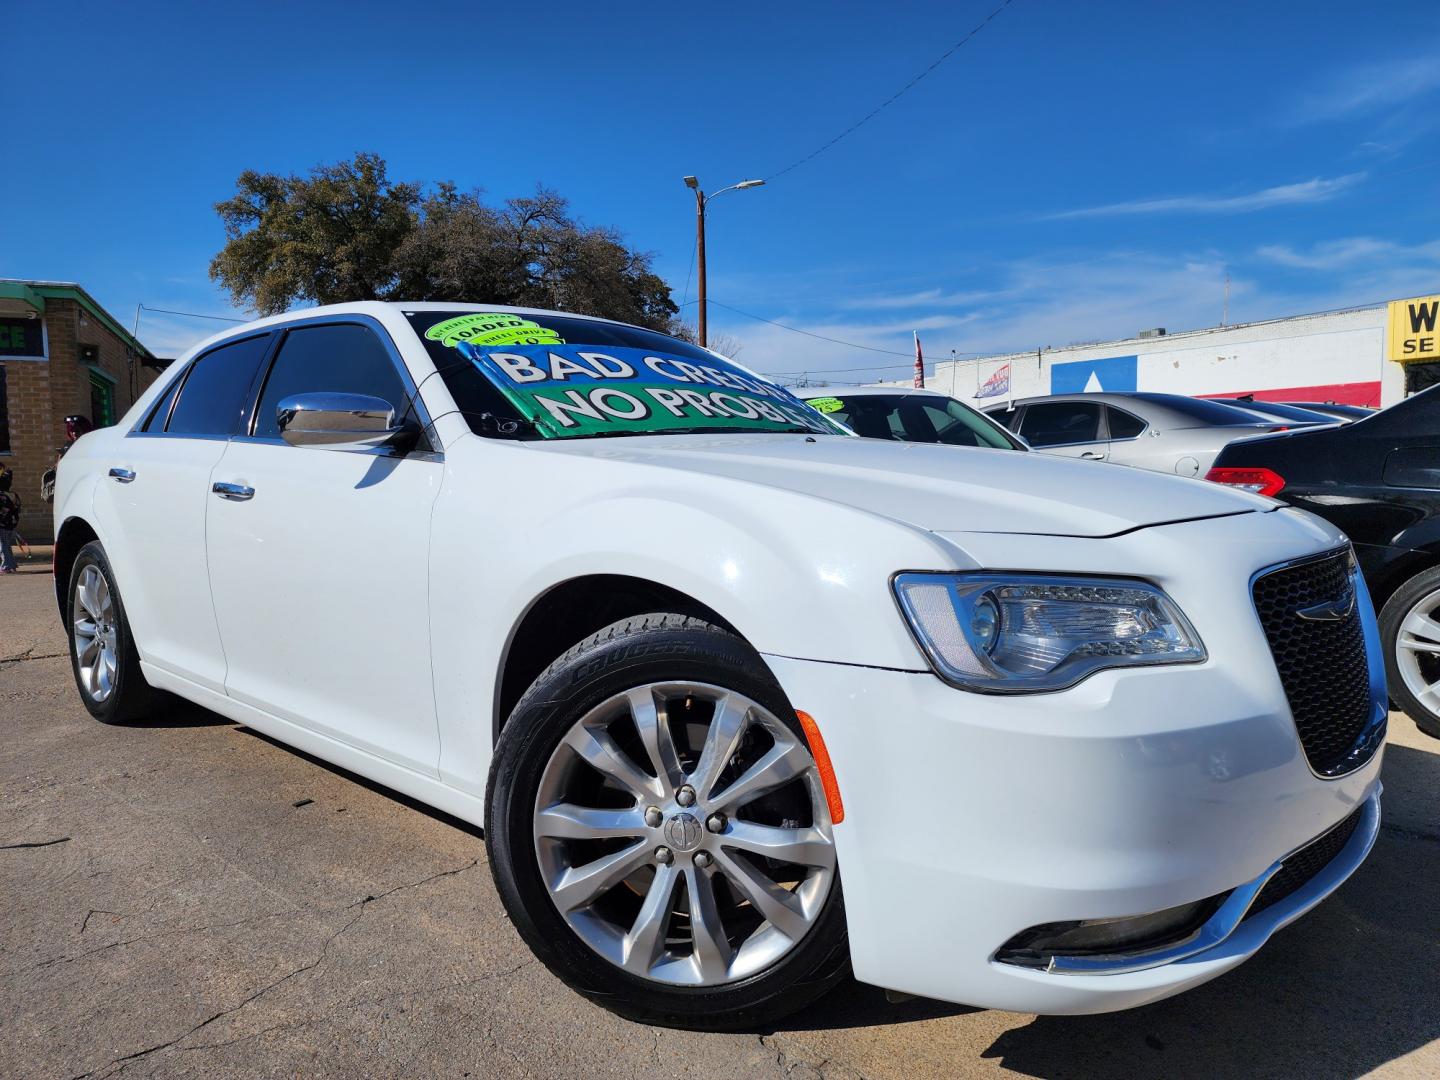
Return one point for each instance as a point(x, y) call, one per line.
point(94, 628)
point(1417, 651)
point(682, 832)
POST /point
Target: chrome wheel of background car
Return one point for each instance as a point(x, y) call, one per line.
point(93, 624)
point(682, 832)
point(1417, 651)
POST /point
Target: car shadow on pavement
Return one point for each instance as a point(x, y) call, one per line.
point(370, 785)
point(1347, 988)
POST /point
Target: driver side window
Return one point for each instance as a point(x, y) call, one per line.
point(344, 358)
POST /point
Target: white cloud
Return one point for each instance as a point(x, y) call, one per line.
point(1367, 88)
point(1328, 254)
point(921, 299)
point(1318, 190)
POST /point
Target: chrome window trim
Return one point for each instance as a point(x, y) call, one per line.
point(1367, 743)
point(1227, 919)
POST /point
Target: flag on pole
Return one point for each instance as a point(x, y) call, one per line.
point(996, 384)
point(919, 364)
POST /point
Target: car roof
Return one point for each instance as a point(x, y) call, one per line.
point(809, 392)
point(1167, 409)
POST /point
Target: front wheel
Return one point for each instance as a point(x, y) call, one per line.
point(659, 833)
point(1410, 628)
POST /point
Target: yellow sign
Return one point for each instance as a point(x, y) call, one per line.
point(1415, 329)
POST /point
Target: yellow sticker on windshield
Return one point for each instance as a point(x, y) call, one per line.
point(826, 404)
point(492, 328)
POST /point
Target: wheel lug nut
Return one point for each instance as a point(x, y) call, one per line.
point(664, 856)
point(685, 796)
point(653, 816)
point(703, 859)
point(715, 823)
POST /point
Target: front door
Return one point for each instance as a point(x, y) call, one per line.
point(318, 560)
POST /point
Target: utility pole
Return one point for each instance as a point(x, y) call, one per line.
point(701, 201)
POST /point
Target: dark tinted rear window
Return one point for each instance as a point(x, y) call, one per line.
point(1207, 413)
point(1123, 425)
point(213, 397)
point(1058, 423)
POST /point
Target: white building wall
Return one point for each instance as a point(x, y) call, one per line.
point(1334, 356)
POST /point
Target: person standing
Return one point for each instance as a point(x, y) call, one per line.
point(9, 521)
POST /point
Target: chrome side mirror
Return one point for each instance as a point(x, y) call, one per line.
point(341, 421)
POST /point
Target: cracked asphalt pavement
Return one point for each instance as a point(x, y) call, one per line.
point(189, 898)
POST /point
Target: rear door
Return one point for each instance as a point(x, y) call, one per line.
point(151, 509)
point(319, 558)
point(1068, 428)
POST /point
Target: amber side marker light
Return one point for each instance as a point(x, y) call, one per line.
point(822, 763)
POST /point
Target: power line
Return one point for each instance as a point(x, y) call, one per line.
point(190, 314)
point(895, 96)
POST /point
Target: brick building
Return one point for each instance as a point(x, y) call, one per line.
point(61, 354)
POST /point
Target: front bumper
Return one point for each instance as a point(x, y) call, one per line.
point(970, 818)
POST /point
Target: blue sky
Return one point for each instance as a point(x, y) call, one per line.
point(1076, 172)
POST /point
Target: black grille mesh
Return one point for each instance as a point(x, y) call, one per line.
point(1307, 862)
point(1322, 665)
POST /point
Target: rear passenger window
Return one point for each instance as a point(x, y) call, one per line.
point(213, 397)
point(1004, 417)
point(1123, 425)
point(161, 412)
point(341, 359)
point(1057, 423)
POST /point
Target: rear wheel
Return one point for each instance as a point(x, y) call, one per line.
point(659, 833)
point(1410, 628)
point(102, 652)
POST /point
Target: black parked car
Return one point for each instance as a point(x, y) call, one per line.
point(1378, 479)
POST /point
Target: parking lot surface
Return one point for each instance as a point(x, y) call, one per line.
point(190, 898)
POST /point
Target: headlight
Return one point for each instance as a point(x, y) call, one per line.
point(1025, 633)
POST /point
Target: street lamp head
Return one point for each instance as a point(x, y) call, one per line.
point(750, 183)
point(691, 182)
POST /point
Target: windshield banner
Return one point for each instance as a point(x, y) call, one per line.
point(568, 390)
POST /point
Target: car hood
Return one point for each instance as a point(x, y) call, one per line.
point(938, 488)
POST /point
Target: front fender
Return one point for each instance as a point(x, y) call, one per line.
point(796, 575)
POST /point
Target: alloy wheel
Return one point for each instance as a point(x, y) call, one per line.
point(682, 832)
point(93, 624)
point(1417, 651)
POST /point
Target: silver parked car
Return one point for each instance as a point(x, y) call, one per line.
point(909, 415)
point(1165, 432)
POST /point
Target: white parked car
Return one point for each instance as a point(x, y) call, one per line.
point(1075, 739)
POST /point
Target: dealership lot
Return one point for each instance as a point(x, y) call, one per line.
point(192, 898)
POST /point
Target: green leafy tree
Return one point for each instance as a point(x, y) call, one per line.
point(347, 233)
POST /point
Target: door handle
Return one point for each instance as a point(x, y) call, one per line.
point(123, 476)
point(1090, 455)
point(233, 492)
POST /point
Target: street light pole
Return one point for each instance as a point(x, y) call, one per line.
point(701, 201)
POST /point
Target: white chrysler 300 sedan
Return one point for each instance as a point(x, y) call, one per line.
point(1073, 739)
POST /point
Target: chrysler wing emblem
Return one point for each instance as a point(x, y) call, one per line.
point(1329, 610)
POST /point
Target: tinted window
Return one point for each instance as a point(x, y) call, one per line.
point(1006, 417)
point(1055, 423)
point(1206, 413)
point(346, 359)
point(161, 412)
point(1124, 426)
point(214, 393)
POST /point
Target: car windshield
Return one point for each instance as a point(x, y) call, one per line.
point(927, 418)
point(537, 375)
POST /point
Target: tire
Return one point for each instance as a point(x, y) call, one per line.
point(1410, 670)
point(111, 684)
point(695, 663)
